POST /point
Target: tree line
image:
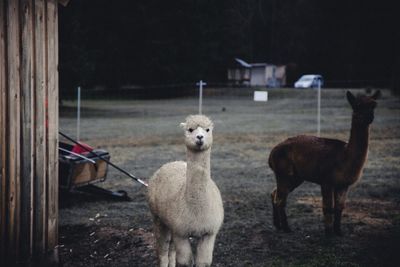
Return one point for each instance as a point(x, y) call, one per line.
point(153, 42)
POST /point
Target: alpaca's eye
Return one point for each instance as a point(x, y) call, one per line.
point(207, 130)
point(190, 130)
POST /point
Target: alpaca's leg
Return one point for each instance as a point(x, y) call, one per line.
point(172, 254)
point(204, 251)
point(184, 257)
point(275, 213)
point(280, 203)
point(163, 238)
point(327, 208)
point(340, 199)
point(279, 197)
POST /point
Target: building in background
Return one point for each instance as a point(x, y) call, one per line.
point(239, 73)
point(256, 74)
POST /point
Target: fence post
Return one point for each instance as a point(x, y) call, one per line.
point(319, 109)
point(200, 84)
point(78, 115)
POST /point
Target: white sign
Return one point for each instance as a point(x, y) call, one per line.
point(261, 96)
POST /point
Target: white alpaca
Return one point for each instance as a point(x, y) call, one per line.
point(185, 202)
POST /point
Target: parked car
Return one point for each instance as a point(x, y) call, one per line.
point(309, 81)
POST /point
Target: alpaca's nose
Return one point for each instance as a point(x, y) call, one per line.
point(199, 137)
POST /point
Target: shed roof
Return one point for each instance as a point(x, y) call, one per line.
point(261, 64)
point(252, 65)
point(243, 63)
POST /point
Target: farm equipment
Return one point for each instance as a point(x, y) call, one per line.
point(83, 147)
point(79, 170)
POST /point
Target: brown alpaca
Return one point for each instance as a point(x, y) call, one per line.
point(333, 164)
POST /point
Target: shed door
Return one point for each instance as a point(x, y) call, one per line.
point(258, 77)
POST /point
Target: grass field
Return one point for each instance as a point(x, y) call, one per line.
point(141, 135)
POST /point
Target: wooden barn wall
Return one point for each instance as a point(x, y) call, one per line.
point(28, 130)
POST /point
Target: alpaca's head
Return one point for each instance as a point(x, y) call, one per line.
point(363, 107)
point(198, 132)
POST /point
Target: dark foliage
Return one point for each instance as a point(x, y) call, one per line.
point(150, 42)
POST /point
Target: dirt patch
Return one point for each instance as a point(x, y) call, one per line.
point(105, 246)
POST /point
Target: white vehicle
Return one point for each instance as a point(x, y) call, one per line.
point(309, 81)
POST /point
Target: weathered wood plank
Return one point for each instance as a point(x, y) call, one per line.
point(40, 214)
point(13, 131)
point(27, 141)
point(3, 126)
point(57, 116)
point(52, 149)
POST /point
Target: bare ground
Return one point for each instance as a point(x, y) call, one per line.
point(141, 135)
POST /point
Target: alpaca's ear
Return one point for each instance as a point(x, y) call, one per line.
point(182, 125)
point(351, 98)
point(376, 95)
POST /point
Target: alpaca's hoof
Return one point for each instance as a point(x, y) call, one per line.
point(190, 263)
point(329, 232)
point(277, 225)
point(338, 232)
point(287, 229)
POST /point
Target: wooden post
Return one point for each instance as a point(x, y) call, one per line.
point(27, 142)
point(3, 123)
point(52, 124)
point(28, 132)
point(13, 129)
point(40, 177)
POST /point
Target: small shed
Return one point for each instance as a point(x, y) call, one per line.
point(239, 72)
point(28, 132)
point(257, 74)
point(270, 75)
